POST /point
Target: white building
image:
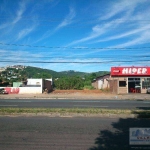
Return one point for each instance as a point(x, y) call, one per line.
point(33, 86)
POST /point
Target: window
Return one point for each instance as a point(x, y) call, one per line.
point(133, 79)
point(122, 83)
point(146, 83)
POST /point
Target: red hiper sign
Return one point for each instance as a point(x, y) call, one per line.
point(130, 71)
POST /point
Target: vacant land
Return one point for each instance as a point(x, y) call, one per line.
point(83, 93)
point(80, 91)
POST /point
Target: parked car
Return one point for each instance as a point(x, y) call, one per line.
point(3, 91)
point(148, 90)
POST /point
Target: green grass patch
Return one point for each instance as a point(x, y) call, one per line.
point(88, 87)
point(66, 110)
point(138, 113)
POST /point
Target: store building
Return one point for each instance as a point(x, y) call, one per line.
point(129, 79)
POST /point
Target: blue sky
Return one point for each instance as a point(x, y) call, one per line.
point(80, 35)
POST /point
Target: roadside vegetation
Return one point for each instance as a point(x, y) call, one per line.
point(74, 111)
point(65, 80)
point(74, 82)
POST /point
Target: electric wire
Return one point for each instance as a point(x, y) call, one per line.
point(76, 62)
point(58, 47)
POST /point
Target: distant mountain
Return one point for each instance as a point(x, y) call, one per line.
point(54, 74)
point(100, 73)
point(20, 73)
point(73, 73)
point(31, 71)
point(35, 72)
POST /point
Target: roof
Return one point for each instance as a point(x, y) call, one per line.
point(102, 77)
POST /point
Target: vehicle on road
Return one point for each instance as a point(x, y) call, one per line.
point(3, 91)
point(148, 90)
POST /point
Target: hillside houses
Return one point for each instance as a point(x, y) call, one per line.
point(2, 69)
point(16, 67)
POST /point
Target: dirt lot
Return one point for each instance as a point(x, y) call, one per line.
point(81, 93)
point(78, 91)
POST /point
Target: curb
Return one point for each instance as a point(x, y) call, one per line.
point(67, 115)
point(111, 98)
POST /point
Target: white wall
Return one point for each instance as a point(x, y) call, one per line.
point(30, 90)
point(23, 90)
point(100, 84)
point(34, 81)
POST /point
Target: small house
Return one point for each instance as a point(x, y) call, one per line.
point(101, 82)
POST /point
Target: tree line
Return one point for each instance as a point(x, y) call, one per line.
point(61, 80)
point(75, 82)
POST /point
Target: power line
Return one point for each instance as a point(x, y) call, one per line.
point(45, 52)
point(85, 21)
point(76, 62)
point(88, 25)
point(43, 23)
point(65, 47)
point(61, 18)
point(80, 56)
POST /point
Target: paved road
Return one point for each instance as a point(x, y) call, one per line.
point(64, 103)
point(45, 133)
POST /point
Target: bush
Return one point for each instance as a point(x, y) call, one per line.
point(67, 83)
point(88, 87)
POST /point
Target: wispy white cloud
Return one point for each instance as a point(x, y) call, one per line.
point(118, 7)
point(97, 30)
point(19, 55)
point(25, 32)
point(138, 25)
point(66, 21)
point(112, 24)
point(102, 28)
point(19, 12)
point(125, 11)
point(144, 38)
point(126, 34)
point(12, 21)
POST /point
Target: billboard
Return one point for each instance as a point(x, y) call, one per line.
point(130, 71)
point(139, 136)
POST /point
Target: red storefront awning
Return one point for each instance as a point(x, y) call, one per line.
point(130, 71)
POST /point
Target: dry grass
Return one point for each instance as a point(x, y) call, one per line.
point(97, 111)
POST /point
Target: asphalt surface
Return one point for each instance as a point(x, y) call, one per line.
point(75, 103)
point(45, 133)
point(77, 95)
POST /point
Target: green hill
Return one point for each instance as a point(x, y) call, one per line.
point(34, 72)
point(21, 73)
